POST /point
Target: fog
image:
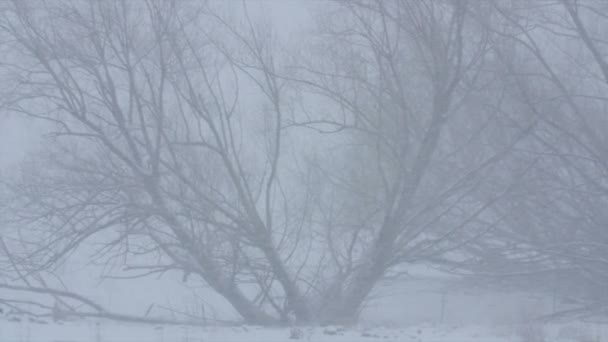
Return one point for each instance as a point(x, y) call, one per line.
point(266, 170)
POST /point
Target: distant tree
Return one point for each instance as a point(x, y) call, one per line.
point(554, 235)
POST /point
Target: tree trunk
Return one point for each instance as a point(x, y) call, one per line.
point(295, 299)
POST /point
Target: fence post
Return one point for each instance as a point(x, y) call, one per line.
point(185, 333)
point(443, 303)
point(98, 335)
point(160, 333)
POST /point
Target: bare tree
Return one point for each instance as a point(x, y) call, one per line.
point(400, 78)
point(554, 223)
point(152, 150)
point(449, 133)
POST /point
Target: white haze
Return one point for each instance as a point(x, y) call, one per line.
point(433, 170)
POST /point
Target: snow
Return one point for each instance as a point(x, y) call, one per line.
point(87, 331)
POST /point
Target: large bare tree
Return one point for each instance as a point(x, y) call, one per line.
point(186, 142)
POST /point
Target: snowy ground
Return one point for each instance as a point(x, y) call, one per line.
point(26, 331)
